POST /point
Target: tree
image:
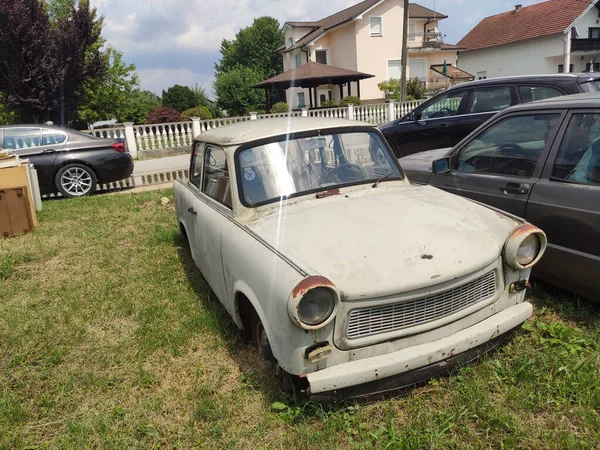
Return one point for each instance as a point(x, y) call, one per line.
point(111, 96)
point(249, 58)
point(235, 91)
point(140, 105)
point(44, 63)
point(180, 98)
point(163, 114)
point(254, 47)
point(7, 116)
point(199, 111)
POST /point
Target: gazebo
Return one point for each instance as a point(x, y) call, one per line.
point(311, 75)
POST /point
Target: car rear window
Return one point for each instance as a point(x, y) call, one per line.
point(533, 93)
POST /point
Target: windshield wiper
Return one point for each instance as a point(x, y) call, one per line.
point(383, 178)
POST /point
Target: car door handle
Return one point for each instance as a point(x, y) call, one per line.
point(515, 188)
point(443, 126)
point(193, 211)
point(49, 150)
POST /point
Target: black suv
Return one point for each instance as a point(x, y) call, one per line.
point(447, 118)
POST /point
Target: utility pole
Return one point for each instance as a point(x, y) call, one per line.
point(404, 52)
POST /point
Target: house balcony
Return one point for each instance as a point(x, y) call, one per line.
point(425, 40)
point(585, 45)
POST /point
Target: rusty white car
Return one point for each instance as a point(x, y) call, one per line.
point(348, 279)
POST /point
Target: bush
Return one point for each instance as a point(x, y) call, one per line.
point(198, 111)
point(391, 88)
point(350, 99)
point(327, 103)
point(163, 114)
point(415, 88)
point(280, 107)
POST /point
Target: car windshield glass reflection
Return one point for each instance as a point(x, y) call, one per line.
point(295, 166)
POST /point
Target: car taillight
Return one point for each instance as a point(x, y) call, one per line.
point(119, 147)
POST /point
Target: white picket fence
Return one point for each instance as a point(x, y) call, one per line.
point(140, 138)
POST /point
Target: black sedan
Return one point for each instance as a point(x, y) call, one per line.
point(68, 161)
point(539, 161)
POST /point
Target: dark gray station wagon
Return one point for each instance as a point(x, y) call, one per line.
point(539, 161)
point(450, 116)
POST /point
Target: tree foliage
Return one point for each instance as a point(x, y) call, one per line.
point(111, 96)
point(140, 105)
point(236, 94)
point(199, 111)
point(255, 47)
point(249, 58)
point(164, 114)
point(44, 63)
point(183, 98)
point(280, 107)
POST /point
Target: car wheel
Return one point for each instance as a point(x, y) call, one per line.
point(76, 180)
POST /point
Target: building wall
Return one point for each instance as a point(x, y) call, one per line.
point(586, 21)
point(373, 53)
point(534, 56)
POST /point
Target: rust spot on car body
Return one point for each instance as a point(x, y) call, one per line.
point(310, 283)
point(329, 193)
point(525, 229)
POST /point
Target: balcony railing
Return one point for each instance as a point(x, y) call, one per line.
point(585, 45)
point(425, 40)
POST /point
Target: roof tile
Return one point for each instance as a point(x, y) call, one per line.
point(542, 19)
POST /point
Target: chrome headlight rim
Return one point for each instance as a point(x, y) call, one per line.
point(517, 239)
point(304, 288)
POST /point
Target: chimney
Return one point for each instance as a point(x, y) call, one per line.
point(517, 8)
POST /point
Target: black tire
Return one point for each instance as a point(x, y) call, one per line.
point(76, 180)
point(259, 338)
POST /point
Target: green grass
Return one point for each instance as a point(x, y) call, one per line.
point(110, 338)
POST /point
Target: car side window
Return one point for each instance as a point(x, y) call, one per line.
point(511, 147)
point(196, 165)
point(445, 106)
point(21, 138)
point(52, 137)
point(216, 182)
point(533, 93)
point(578, 158)
point(490, 99)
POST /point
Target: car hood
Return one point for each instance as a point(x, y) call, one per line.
point(383, 241)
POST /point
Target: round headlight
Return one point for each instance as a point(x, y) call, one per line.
point(528, 250)
point(316, 306)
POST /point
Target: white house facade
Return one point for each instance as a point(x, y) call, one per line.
point(549, 37)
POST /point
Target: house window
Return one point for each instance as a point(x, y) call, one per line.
point(301, 102)
point(412, 30)
point(561, 68)
point(297, 59)
point(594, 33)
point(290, 42)
point(321, 56)
point(376, 25)
point(596, 67)
point(481, 75)
point(394, 69)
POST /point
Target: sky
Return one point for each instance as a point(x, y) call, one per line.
point(177, 41)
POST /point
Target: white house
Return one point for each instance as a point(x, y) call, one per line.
point(367, 39)
point(548, 37)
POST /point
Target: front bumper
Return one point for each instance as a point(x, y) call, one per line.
point(414, 360)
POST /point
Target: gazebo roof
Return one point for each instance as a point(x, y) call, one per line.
point(312, 74)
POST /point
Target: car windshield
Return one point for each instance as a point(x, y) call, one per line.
point(591, 86)
point(300, 165)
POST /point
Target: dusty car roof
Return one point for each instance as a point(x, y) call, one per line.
point(252, 130)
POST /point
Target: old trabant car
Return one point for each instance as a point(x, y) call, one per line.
point(348, 278)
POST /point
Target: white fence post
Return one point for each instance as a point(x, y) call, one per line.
point(350, 111)
point(130, 139)
point(391, 115)
point(253, 115)
point(196, 128)
point(304, 112)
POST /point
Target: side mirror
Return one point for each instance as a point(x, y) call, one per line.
point(441, 165)
point(410, 116)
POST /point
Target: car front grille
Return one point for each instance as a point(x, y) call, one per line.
point(369, 321)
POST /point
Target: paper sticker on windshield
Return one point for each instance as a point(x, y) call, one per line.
point(247, 155)
point(249, 174)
